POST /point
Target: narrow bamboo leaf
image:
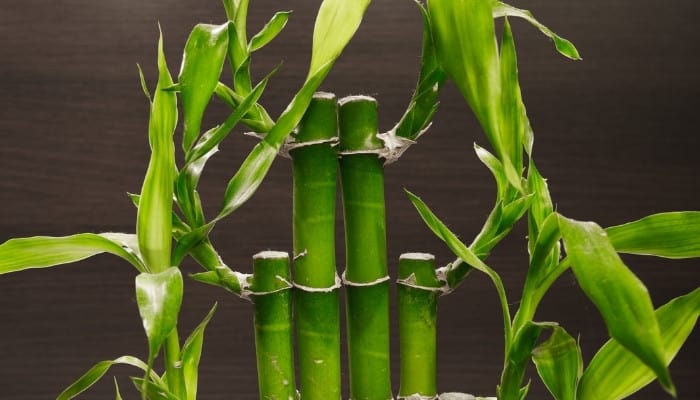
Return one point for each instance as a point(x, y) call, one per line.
point(191, 353)
point(144, 86)
point(154, 219)
point(269, 31)
point(335, 25)
point(95, 373)
point(430, 80)
point(513, 211)
point(256, 119)
point(463, 252)
point(513, 120)
point(242, 80)
point(202, 62)
point(615, 373)
point(45, 251)
point(159, 297)
point(559, 363)
point(541, 206)
point(213, 137)
point(565, 47)
point(672, 235)
point(496, 167)
point(621, 298)
point(186, 189)
point(153, 391)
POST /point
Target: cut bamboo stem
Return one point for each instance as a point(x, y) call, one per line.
point(366, 278)
point(418, 291)
point(316, 305)
point(271, 296)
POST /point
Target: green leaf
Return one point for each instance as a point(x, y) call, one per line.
point(154, 219)
point(152, 390)
point(463, 252)
point(202, 62)
point(269, 31)
point(46, 251)
point(430, 80)
point(496, 167)
point(671, 235)
point(256, 119)
point(542, 206)
point(336, 23)
point(565, 47)
point(95, 373)
point(191, 353)
point(621, 298)
point(159, 297)
point(118, 395)
point(517, 357)
point(615, 373)
point(559, 363)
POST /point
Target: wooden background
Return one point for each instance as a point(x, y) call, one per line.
point(616, 134)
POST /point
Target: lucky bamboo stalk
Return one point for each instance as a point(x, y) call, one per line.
point(316, 304)
point(271, 296)
point(418, 292)
point(366, 278)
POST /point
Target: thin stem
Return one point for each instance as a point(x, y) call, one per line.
point(418, 292)
point(273, 325)
point(173, 367)
point(314, 165)
point(362, 180)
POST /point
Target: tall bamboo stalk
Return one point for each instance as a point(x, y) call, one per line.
point(366, 278)
point(418, 292)
point(316, 304)
point(271, 295)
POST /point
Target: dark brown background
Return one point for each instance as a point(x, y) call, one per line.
point(616, 134)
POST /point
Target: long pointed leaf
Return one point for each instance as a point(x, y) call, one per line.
point(46, 251)
point(202, 62)
point(269, 31)
point(621, 298)
point(615, 373)
point(154, 219)
point(191, 353)
point(152, 390)
point(563, 46)
point(95, 373)
point(672, 235)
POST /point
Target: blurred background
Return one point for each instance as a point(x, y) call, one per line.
point(615, 134)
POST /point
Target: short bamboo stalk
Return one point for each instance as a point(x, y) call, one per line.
point(271, 296)
point(366, 277)
point(316, 304)
point(418, 292)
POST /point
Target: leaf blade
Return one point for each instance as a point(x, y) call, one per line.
point(671, 235)
point(269, 31)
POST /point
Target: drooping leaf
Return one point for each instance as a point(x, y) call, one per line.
point(559, 363)
point(46, 251)
point(336, 23)
point(620, 297)
point(191, 353)
point(430, 80)
point(671, 235)
point(565, 47)
point(159, 296)
point(269, 31)
point(154, 218)
point(615, 373)
point(463, 252)
point(153, 391)
point(95, 373)
point(202, 62)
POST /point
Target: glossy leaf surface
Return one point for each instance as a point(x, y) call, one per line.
point(154, 219)
point(191, 354)
point(47, 251)
point(671, 235)
point(615, 373)
point(269, 31)
point(621, 298)
point(159, 296)
point(559, 363)
point(202, 62)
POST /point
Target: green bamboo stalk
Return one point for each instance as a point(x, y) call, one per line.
point(366, 278)
point(271, 296)
point(314, 165)
point(418, 292)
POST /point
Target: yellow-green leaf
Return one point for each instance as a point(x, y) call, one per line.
point(269, 31)
point(159, 297)
point(671, 235)
point(559, 363)
point(191, 353)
